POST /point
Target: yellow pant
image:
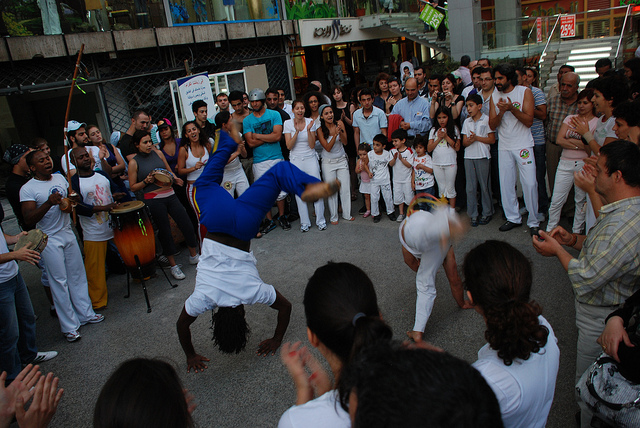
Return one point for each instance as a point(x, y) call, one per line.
point(94, 263)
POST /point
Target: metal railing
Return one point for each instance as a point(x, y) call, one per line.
point(622, 34)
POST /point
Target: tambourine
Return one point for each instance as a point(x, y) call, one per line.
point(162, 177)
point(37, 238)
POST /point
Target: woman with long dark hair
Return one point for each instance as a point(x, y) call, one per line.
point(343, 316)
point(395, 94)
point(454, 102)
point(381, 88)
point(520, 361)
point(444, 142)
point(333, 138)
point(161, 201)
point(343, 110)
point(193, 156)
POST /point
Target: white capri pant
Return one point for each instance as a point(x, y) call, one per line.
point(261, 167)
point(309, 164)
point(338, 168)
point(446, 178)
point(561, 188)
point(236, 179)
point(402, 193)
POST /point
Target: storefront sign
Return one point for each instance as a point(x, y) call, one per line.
point(431, 16)
point(567, 26)
point(539, 30)
point(314, 32)
point(332, 31)
point(193, 88)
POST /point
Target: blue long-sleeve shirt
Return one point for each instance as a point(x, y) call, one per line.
point(416, 112)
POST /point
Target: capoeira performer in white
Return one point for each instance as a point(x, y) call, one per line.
point(426, 244)
point(511, 114)
point(227, 276)
point(40, 201)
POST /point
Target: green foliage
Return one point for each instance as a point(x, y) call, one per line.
point(14, 27)
point(299, 9)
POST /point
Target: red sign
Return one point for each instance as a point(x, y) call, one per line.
point(539, 30)
point(567, 26)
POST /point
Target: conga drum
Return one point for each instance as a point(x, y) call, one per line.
point(133, 235)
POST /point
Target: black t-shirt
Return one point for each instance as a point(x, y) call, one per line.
point(283, 142)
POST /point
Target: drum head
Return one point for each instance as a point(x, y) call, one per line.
point(36, 237)
point(162, 177)
point(127, 207)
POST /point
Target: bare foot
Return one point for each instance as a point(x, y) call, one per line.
point(315, 191)
point(415, 336)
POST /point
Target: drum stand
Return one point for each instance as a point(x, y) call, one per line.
point(144, 285)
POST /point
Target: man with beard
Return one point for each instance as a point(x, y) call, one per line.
point(77, 135)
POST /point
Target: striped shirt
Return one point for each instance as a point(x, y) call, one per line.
point(557, 110)
point(537, 128)
point(607, 271)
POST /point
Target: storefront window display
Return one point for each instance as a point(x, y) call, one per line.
point(184, 12)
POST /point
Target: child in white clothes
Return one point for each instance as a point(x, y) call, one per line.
point(362, 168)
point(379, 160)
point(444, 142)
point(423, 181)
point(402, 165)
point(477, 137)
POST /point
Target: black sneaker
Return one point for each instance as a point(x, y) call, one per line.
point(269, 227)
point(535, 231)
point(376, 218)
point(508, 226)
point(392, 216)
point(362, 210)
point(284, 223)
point(474, 221)
point(485, 220)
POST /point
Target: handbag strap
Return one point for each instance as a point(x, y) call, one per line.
point(592, 390)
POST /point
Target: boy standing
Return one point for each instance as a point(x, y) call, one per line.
point(422, 174)
point(477, 137)
point(379, 160)
point(402, 164)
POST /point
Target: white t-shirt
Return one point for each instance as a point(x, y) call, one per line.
point(423, 179)
point(93, 151)
point(8, 270)
point(481, 128)
point(604, 130)
point(514, 135)
point(443, 154)
point(324, 411)
point(227, 277)
point(337, 150)
point(525, 388)
point(402, 173)
point(301, 147)
point(379, 166)
point(96, 191)
point(35, 190)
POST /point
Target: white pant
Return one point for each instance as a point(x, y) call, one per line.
point(524, 162)
point(68, 280)
point(309, 165)
point(236, 179)
point(375, 198)
point(561, 189)
point(446, 178)
point(261, 167)
point(338, 168)
point(402, 193)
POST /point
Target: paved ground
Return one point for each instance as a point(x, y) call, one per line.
point(249, 391)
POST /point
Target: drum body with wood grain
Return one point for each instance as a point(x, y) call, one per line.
point(133, 235)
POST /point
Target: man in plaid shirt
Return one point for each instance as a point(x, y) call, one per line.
point(607, 271)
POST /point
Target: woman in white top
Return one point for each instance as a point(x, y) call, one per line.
point(444, 142)
point(342, 313)
point(574, 152)
point(520, 361)
point(300, 141)
point(333, 138)
point(193, 156)
point(312, 101)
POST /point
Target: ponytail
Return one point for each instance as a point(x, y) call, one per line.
point(367, 331)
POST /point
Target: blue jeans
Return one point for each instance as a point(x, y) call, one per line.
point(17, 327)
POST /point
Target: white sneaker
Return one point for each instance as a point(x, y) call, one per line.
point(400, 218)
point(44, 356)
point(177, 272)
point(72, 336)
point(194, 260)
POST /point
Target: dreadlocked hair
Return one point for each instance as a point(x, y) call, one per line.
point(230, 329)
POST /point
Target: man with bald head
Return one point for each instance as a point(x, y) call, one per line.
point(414, 111)
point(559, 107)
